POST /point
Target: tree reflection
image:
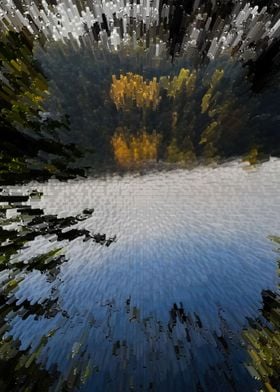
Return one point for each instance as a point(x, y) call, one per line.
point(21, 369)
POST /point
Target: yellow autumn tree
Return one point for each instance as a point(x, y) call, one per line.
point(132, 88)
point(174, 85)
point(130, 150)
point(206, 99)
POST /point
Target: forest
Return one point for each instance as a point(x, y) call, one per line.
point(126, 110)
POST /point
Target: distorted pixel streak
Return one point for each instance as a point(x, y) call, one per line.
point(139, 195)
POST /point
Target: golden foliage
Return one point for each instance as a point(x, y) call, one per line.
point(174, 85)
point(264, 346)
point(206, 99)
point(132, 88)
point(263, 339)
point(209, 133)
point(130, 150)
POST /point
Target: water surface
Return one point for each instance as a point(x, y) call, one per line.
point(163, 305)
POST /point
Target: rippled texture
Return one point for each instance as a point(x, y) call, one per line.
point(165, 280)
point(162, 306)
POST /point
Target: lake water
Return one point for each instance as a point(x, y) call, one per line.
point(164, 305)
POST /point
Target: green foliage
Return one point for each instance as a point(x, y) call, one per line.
point(263, 339)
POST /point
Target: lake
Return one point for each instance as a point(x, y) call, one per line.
point(152, 289)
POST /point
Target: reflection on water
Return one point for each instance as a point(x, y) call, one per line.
point(140, 282)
